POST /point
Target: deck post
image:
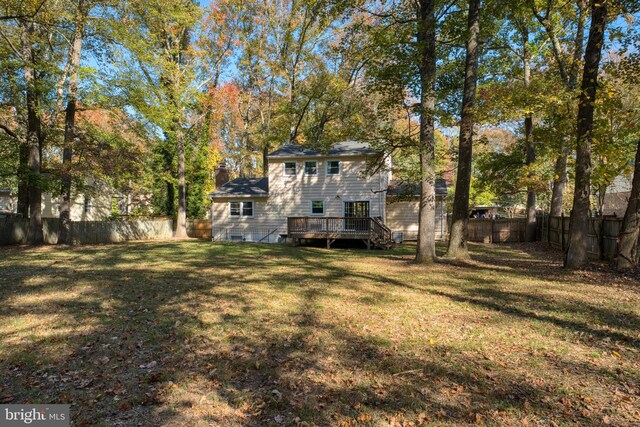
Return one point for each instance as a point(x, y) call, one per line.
point(328, 243)
point(368, 244)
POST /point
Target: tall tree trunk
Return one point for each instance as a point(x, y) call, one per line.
point(265, 161)
point(531, 191)
point(530, 154)
point(576, 256)
point(181, 222)
point(23, 180)
point(35, 235)
point(460, 218)
point(426, 37)
point(69, 136)
point(627, 257)
point(171, 198)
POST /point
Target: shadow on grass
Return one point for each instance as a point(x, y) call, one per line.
point(194, 333)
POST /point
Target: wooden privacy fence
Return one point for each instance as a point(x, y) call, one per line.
point(199, 228)
point(602, 237)
point(13, 230)
point(497, 230)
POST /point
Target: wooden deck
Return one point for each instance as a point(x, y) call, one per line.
point(371, 230)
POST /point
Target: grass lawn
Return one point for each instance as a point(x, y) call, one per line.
point(195, 333)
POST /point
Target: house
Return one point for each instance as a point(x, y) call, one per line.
point(93, 203)
point(314, 195)
point(7, 201)
point(616, 198)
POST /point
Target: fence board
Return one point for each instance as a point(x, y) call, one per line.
point(497, 230)
point(13, 230)
point(602, 240)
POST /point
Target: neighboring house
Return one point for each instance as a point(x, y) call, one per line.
point(96, 203)
point(93, 204)
point(487, 211)
point(313, 195)
point(403, 203)
point(7, 201)
point(616, 198)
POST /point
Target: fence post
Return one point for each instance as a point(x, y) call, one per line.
point(493, 221)
point(562, 231)
point(549, 229)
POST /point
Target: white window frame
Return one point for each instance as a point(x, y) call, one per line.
point(311, 208)
point(284, 165)
point(339, 168)
point(305, 167)
point(241, 203)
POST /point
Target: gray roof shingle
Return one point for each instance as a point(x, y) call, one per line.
point(345, 148)
point(257, 187)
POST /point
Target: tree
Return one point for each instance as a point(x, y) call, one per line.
point(460, 218)
point(75, 54)
point(627, 255)
point(568, 70)
point(577, 256)
point(426, 40)
point(161, 82)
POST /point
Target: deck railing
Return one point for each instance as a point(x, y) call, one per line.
point(337, 227)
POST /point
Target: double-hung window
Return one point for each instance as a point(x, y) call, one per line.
point(317, 207)
point(290, 168)
point(311, 167)
point(239, 209)
point(333, 167)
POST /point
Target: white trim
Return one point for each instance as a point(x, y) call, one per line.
point(326, 168)
point(324, 207)
point(304, 167)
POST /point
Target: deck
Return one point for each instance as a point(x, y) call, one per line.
point(371, 230)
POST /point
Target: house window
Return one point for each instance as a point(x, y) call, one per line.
point(317, 207)
point(311, 167)
point(234, 208)
point(333, 167)
point(87, 204)
point(290, 168)
point(240, 209)
point(247, 208)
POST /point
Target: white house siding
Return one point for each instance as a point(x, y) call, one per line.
point(402, 216)
point(99, 207)
point(292, 196)
point(262, 226)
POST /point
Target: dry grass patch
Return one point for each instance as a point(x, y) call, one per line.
point(195, 333)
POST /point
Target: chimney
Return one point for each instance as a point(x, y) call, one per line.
point(222, 175)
